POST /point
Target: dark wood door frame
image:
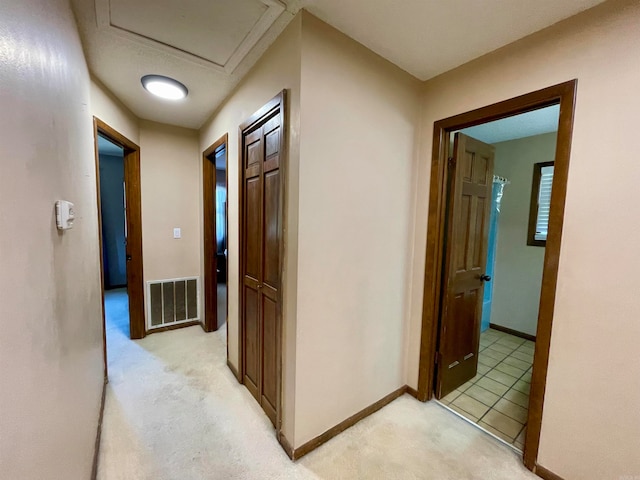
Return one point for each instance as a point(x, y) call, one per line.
point(135, 280)
point(563, 94)
point(276, 103)
point(211, 321)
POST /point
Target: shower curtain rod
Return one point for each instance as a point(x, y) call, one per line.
point(499, 179)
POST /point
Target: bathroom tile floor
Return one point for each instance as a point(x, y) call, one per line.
point(497, 398)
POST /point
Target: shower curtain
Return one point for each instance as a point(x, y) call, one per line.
point(496, 194)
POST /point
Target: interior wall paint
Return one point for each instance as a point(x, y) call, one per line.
point(278, 69)
point(113, 219)
point(359, 115)
point(169, 175)
point(596, 301)
point(106, 107)
point(51, 321)
point(518, 271)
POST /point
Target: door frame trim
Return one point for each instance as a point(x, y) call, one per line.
point(563, 94)
point(135, 280)
point(279, 101)
point(211, 322)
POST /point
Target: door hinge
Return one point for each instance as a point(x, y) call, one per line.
point(451, 161)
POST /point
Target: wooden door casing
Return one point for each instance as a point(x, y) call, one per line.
point(262, 195)
point(465, 262)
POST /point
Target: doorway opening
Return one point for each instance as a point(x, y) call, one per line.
point(120, 233)
point(490, 383)
point(113, 230)
point(216, 240)
point(458, 359)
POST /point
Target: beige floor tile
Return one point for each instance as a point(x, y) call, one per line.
point(522, 386)
point(530, 344)
point(517, 363)
point(511, 410)
point(501, 422)
point(488, 361)
point(471, 405)
point(501, 377)
point(510, 340)
point(482, 395)
point(524, 356)
point(519, 441)
point(526, 377)
point(490, 352)
point(477, 377)
point(483, 368)
point(465, 385)
point(463, 413)
point(497, 433)
point(503, 348)
point(447, 399)
point(492, 386)
point(510, 370)
point(517, 397)
point(526, 349)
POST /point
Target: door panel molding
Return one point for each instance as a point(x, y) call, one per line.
point(563, 94)
point(262, 158)
point(133, 199)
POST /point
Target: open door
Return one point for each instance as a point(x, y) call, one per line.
point(469, 208)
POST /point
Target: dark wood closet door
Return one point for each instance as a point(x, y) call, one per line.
point(466, 258)
point(261, 236)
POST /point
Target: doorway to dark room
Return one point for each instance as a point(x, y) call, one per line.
point(214, 170)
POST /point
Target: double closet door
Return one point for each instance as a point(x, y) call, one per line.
point(261, 264)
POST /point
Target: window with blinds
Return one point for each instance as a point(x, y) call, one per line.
point(540, 203)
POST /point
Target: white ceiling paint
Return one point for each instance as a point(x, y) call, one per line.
point(537, 122)
point(429, 37)
point(105, 147)
point(209, 45)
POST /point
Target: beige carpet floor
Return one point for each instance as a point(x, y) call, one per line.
point(175, 412)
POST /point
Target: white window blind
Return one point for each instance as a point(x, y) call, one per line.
point(544, 202)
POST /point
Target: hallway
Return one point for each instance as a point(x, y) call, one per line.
point(174, 411)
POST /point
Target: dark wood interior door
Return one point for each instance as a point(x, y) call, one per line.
point(471, 179)
point(262, 246)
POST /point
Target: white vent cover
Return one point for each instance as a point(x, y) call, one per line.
point(172, 301)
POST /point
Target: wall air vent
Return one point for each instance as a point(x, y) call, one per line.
point(172, 301)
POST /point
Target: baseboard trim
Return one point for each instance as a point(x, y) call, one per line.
point(297, 453)
point(96, 451)
point(234, 370)
point(513, 332)
point(546, 474)
point(173, 327)
point(286, 446)
point(413, 392)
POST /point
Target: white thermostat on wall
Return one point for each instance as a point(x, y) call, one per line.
point(65, 215)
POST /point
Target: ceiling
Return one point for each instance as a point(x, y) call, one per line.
point(209, 45)
point(537, 122)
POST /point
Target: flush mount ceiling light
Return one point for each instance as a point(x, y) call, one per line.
point(164, 87)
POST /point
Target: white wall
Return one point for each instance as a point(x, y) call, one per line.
point(278, 69)
point(590, 425)
point(51, 340)
point(518, 272)
point(358, 121)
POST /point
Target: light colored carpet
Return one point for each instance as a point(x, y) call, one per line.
point(175, 412)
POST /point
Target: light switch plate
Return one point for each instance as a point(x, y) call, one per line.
point(177, 233)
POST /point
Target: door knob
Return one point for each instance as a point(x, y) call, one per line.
point(485, 278)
